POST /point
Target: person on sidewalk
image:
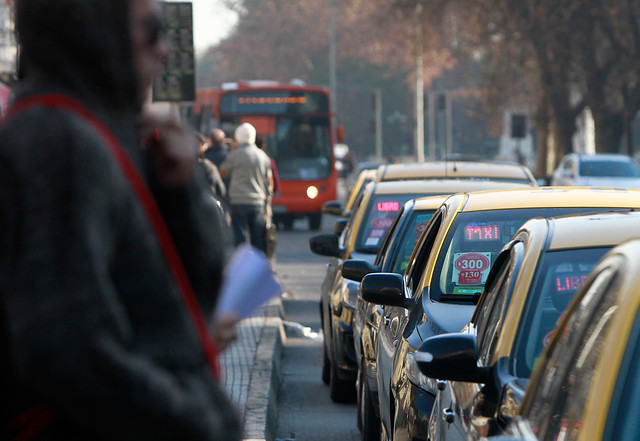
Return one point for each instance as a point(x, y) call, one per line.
point(217, 150)
point(271, 235)
point(212, 174)
point(109, 268)
point(250, 187)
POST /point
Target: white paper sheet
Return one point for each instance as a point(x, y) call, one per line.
point(248, 283)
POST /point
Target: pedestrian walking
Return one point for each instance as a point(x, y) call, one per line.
point(218, 149)
point(271, 235)
point(109, 267)
point(250, 187)
point(212, 174)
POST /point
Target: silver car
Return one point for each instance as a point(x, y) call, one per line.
point(598, 170)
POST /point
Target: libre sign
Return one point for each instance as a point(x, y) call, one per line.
point(176, 81)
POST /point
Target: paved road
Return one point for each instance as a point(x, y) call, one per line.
point(306, 412)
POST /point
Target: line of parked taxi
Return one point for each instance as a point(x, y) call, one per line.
point(445, 287)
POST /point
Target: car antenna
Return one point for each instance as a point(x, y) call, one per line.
point(455, 165)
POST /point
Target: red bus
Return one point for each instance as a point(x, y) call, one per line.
point(296, 124)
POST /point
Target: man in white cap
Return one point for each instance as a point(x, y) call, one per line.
point(250, 187)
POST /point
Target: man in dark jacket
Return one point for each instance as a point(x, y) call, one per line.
point(217, 150)
point(97, 340)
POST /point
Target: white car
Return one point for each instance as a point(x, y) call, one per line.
point(599, 170)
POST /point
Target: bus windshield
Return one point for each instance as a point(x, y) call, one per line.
point(301, 147)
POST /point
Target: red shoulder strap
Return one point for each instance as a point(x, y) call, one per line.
point(146, 199)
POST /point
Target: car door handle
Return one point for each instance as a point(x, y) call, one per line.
point(448, 415)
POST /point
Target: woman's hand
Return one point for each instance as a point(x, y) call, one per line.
point(225, 330)
point(175, 148)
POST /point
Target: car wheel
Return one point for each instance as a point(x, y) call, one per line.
point(370, 430)
point(340, 391)
point(359, 396)
point(325, 356)
point(326, 366)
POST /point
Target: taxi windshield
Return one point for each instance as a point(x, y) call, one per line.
point(472, 245)
point(407, 238)
point(559, 275)
point(378, 217)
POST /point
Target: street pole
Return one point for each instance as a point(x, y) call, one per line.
point(431, 112)
point(332, 56)
point(378, 111)
point(419, 132)
point(449, 122)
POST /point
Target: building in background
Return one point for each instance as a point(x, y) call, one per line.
point(8, 48)
point(8, 52)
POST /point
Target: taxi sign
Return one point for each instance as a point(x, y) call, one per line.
point(471, 268)
point(383, 222)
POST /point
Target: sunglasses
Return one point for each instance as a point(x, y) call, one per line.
point(155, 29)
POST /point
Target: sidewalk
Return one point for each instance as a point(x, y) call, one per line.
point(252, 370)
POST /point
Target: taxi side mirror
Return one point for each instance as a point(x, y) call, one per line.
point(326, 245)
point(356, 270)
point(332, 207)
point(339, 226)
point(452, 357)
point(385, 289)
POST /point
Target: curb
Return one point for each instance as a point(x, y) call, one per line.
point(261, 411)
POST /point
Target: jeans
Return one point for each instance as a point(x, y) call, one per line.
point(249, 221)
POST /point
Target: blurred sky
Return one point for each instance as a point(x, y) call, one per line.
point(212, 21)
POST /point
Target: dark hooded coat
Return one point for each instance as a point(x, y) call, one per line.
point(93, 324)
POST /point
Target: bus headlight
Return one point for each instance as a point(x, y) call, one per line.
point(312, 192)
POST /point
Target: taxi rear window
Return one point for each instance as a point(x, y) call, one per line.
point(378, 217)
point(407, 239)
point(559, 275)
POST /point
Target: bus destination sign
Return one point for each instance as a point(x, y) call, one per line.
point(273, 102)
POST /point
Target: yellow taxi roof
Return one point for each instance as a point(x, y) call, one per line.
point(429, 202)
point(369, 173)
point(456, 170)
point(441, 186)
point(598, 229)
point(365, 176)
point(540, 197)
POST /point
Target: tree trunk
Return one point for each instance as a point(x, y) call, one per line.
point(542, 148)
point(628, 136)
point(609, 130)
point(565, 127)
